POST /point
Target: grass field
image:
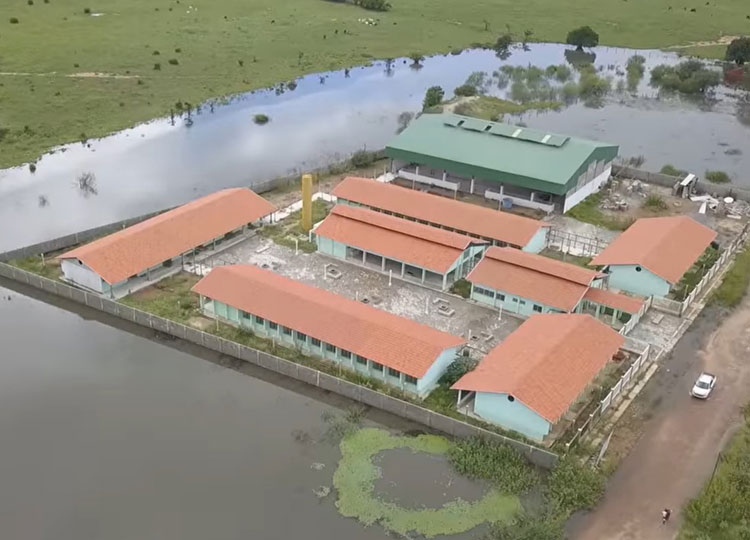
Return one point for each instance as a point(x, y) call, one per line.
point(223, 47)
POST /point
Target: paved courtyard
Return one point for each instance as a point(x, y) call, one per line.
point(481, 326)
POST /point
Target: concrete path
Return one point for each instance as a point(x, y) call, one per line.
point(679, 447)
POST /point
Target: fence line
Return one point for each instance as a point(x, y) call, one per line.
point(613, 396)
point(575, 244)
point(379, 400)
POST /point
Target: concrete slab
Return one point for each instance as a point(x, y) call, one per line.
point(426, 306)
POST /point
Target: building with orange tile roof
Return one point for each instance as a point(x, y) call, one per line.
point(403, 248)
point(525, 284)
point(653, 254)
point(395, 350)
point(529, 381)
point(134, 257)
point(494, 226)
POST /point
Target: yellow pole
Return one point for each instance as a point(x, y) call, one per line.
point(306, 202)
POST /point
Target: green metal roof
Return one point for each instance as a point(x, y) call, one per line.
point(496, 151)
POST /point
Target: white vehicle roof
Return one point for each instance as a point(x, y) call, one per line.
point(706, 377)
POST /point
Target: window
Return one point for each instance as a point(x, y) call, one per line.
point(315, 342)
point(637, 268)
point(301, 336)
point(410, 380)
point(483, 291)
point(259, 320)
point(273, 325)
point(511, 398)
point(515, 299)
point(522, 302)
point(345, 354)
point(393, 373)
point(377, 367)
point(537, 308)
point(286, 330)
point(501, 297)
point(244, 314)
point(361, 360)
point(330, 348)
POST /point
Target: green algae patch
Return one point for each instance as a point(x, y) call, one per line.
point(355, 482)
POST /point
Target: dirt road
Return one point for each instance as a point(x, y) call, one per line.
point(680, 444)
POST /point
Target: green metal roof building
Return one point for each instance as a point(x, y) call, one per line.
point(530, 167)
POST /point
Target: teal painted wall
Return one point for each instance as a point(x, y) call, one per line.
point(422, 387)
point(330, 247)
point(538, 242)
point(427, 384)
point(511, 303)
point(628, 278)
point(513, 415)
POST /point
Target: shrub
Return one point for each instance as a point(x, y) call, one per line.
point(718, 177)
point(362, 158)
point(87, 11)
point(157, 66)
point(433, 97)
point(561, 73)
point(635, 69)
point(480, 459)
point(503, 43)
point(736, 281)
point(14, 20)
point(582, 37)
point(173, 61)
point(457, 369)
point(591, 85)
point(689, 77)
point(462, 288)
point(30, 2)
point(261, 119)
point(655, 202)
point(671, 170)
point(155, 53)
point(465, 90)
point(738, 51)
point(572, 487)
point(373, 5)
point(32, 167)
point(178, 50)
point(526, 527)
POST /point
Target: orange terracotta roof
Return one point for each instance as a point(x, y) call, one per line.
point(553, 283)
point(393, 341)
point(547, 363)
point(666, 246)
point(400, 239)
point(625, 303)
point(147, 244)
point(457, 215)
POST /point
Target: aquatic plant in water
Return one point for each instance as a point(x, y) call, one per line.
point(355, 478)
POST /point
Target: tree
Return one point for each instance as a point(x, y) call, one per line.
point(583, 37)
point(739, 51)
point(432, 97)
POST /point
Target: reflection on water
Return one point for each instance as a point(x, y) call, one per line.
point(329, 116)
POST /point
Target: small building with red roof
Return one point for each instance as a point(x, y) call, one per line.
point(122, 262)
point(653, 254)
point(531, 380)
point(405, 249)
point(355, 336)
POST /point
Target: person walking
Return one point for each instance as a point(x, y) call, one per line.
point(665, 515)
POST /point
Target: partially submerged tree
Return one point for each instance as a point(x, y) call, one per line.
point(433, 97)
point(583, 37)
point(738, 51)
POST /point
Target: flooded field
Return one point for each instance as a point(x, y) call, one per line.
point(112, 435)
point(327, 116)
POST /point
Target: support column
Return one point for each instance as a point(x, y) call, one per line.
point(382, 266)
point(615, 313)
point(444, 175)
point(598, 310)
point(445, 277)
point(364, 256)
point(471, 189)
point(423, 274)
point(416, 173)
point(532, 196)
point(403, 269)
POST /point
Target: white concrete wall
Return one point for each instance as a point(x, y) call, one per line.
point(574, 197)
point(538, 242)
point(82, 275)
